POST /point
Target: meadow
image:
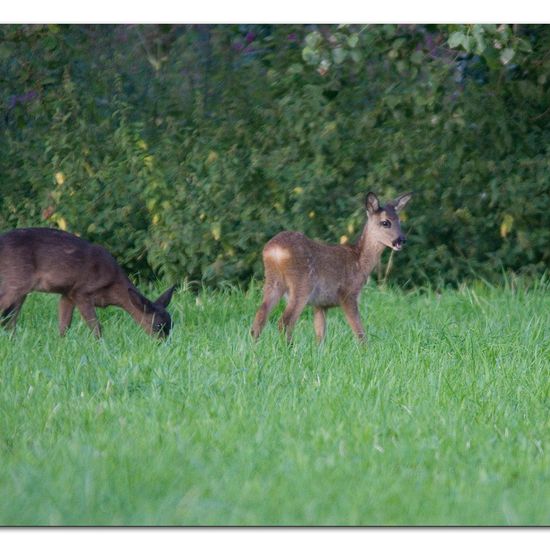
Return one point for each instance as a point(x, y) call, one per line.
point(441, 419)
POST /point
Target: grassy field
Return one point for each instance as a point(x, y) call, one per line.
point(443, 418)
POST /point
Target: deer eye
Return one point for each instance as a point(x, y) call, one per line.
point(385, 223)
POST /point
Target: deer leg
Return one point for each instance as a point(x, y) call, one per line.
point(7, 299)
point(66, 308)
point(320, 323)
point(296, 304)
point(11, 313)
point(10, 304)
point(89, 315)
point(351, 310)
point(272, 295)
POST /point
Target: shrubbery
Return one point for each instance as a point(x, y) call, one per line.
point(183, 149)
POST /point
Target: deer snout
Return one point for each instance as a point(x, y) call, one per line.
point(398, 243)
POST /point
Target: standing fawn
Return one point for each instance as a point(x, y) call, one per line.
point(323, 276)
point(85, 274)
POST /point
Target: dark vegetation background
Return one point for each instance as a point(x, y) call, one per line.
point(184, 148)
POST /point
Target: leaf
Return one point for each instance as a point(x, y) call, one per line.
point(389, 29)
point(401, 67)
point(393, 54)
point(324, 66)
point(216, 230)
point(478, 30)
point(353, 40)
point(491, 57)
point(392, 101)
point(506, 225)
point(398, 43)
point(212, 157)
point(49, 42)
point(356, 55)
point(480, 45)
point(339, 55)
point(468, 43)
point(310, 56)
point(478, 33)
point(417, 57)
point(507, 55)
point(524, 46)
point(456, 39)
point(313, 39)
point(296, 68)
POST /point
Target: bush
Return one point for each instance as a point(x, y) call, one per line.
point(183, 149)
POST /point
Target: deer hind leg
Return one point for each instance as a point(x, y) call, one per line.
point(66, 308)
point(320, 323)
point(273, 292)
point(87, 310)
point(9, 315)
point(351, 310)
point(296, 303)
point(15, 287)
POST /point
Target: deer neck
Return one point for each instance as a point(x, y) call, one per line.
point(369, 251)
point(123, 301)
point(136, 314)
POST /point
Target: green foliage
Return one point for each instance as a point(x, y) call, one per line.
point(492, 42)
point(183, 149)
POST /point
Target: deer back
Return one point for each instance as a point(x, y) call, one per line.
point(50, 260)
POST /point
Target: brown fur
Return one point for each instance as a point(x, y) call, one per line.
point(324, 276)
point(85, 274)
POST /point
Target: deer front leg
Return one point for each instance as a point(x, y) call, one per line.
point(87, 310)
point(320, 323)
point(351, 310)
point(66, 308)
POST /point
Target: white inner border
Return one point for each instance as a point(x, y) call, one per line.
point(280, 11)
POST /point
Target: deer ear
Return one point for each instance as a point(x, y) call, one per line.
point(164, 299)
point(139, 301)
point(372, 203)
point(400, 202)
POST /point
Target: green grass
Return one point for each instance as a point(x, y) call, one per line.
point(443, 418)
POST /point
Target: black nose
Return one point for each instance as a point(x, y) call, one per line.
point(399, 241)
point(166, 329)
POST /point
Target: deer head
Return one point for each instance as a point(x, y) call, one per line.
point(383, 221)
point(154, 318)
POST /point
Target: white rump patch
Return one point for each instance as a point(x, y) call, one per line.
point(277, 253)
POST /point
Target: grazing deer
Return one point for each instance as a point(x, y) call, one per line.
point(324, 276)
point(85, 274)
